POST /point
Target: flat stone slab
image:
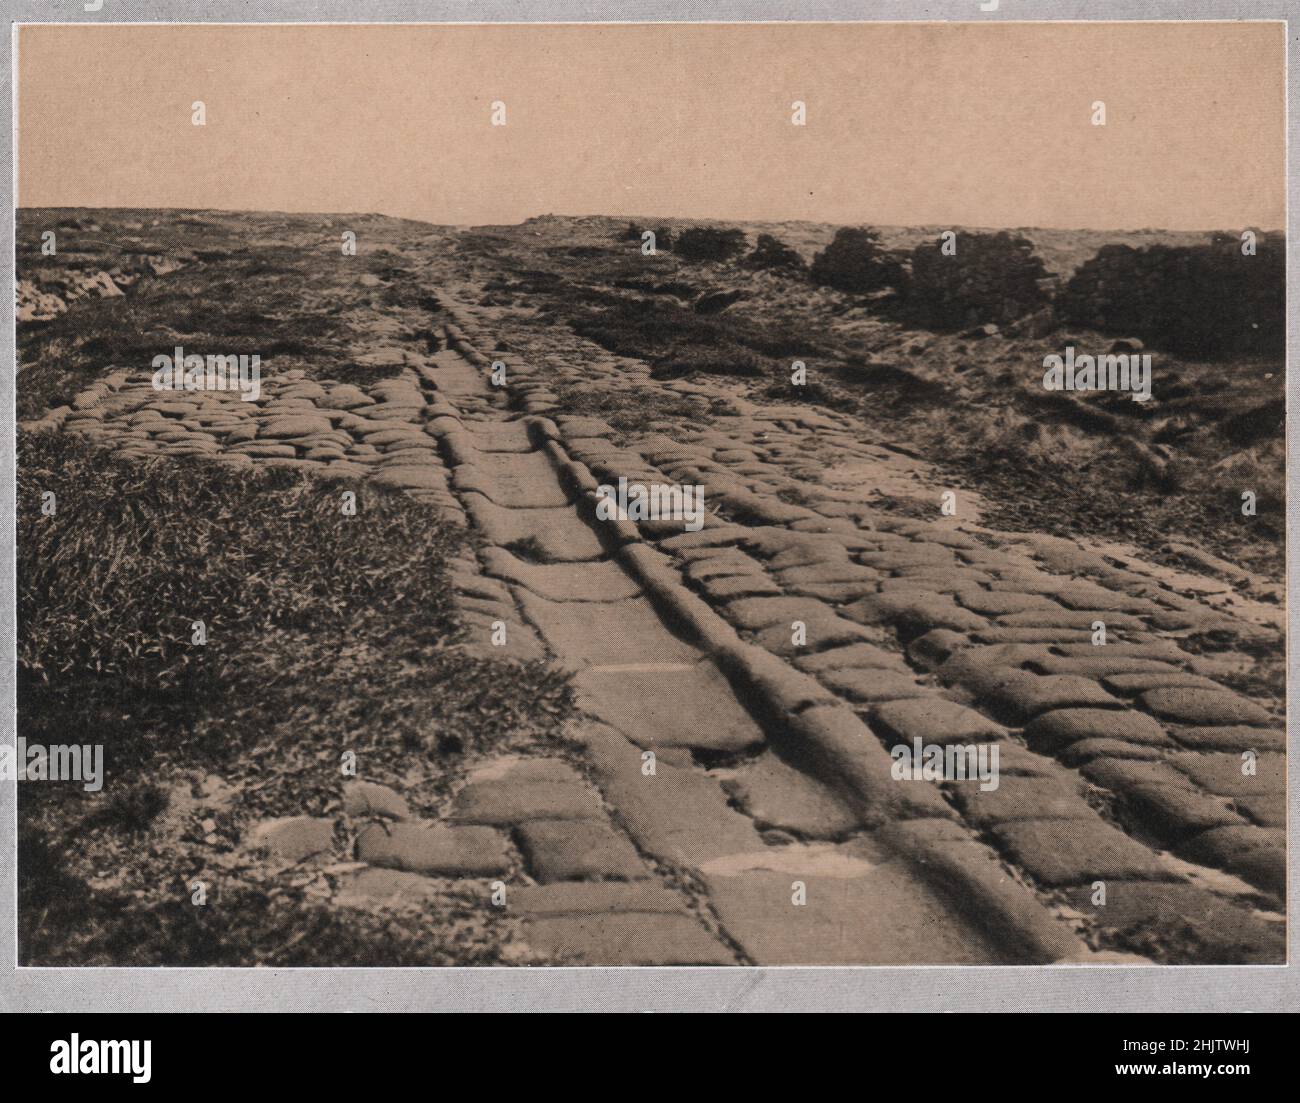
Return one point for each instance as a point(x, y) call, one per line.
point(1020, 798)
point(627, 938)
point(776, 795)
point(293, 837)
point(820, 631)
point(1062, 619)
point(870, 686)
point(1257, 854)
point(1268, 810)
point(559, 850)
point(993, 603)
point(1053, 731)
point(1170, 812)
point(683, 705)
point(915, 611)
point(294, 425)
point(1230, 737)
point(516, 481)
point(366, 798)
point(513, 801)
point(501, 436)
point(679, 815)
point(263, 451)
point(934, 720)
point(1130, 685)
point(761, 612)
point(1220, 933)
point(1075, 852)
point(732, 588)
point(1101, 665)
point(1184, 705)
point(605, 633)
point(871, 914)
point(599, 581)
point(1226, 773)
point(434, 849)
point(586, 898)
point(1022, 695)
point(375, 889)
point(1087, 750)
point(852, 656)
point(412, 478)
point(559, 534)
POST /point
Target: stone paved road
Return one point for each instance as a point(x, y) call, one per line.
point(728, 795)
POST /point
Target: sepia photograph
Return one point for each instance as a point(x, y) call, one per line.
point(553, 495)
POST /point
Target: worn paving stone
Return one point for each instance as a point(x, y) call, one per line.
point(915, 613)
point(1074, 852)
point(1119, 774)
point(1223, 773)
point(1183, 705)
point(1053, 731)
point(763, 612)
point(824, 631)
point(627, 938)
point(1174, 915)
point(870, 686)
point(723, 588)
point(412, 478)
point(294, 426)
point(875, 913)
point(1171, 810)
point(597, 581)
point(1020, 798)
point(934, 720)
point(1100, 665)
point(998, 603)
point(586, 898)
point(366, 798)
point(514, 799)
point(827, 573)
point(854, 655)
point(559, 534)
point(434, 849)
point(1022, 695)
point(261, 451)
point(1130, 685)
point(731, 564)
point(293, 838)
point(375, 889)
point(559, 850)
point(775, 794)
point(1267, 810)
point(1230, 738)
point(1016, 760)
point(1064, 619)
point(533, 487)
point(1257, 854)
point(605, 633)
point(1080, 595)
point(1086, 750)
point(836, 593)
point(687, 706)
point(679, 815)
point(911, 555)
point(936, 647)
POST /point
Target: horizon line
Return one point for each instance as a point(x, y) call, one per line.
point(666, 217)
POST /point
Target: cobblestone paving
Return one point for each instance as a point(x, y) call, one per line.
point(727, 797)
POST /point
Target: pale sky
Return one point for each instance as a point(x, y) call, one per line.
point(907, 124)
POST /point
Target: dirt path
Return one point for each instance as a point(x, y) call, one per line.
point(728, 796)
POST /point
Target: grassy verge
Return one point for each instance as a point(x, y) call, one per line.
point(325, 634)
